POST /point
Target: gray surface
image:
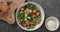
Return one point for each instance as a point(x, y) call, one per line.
point(51, 8)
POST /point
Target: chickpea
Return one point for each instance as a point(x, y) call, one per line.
point(27, 22)
point(37, 13)
point(33, 16)
point(31, 23)
point(22, 9)
point(24, 25)
point(34, 11)
point(28, 12)
point(38, 21)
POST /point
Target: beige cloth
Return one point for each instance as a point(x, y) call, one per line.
point(9, 17)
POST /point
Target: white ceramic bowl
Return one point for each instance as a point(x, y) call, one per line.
point(56, 22)
point(42, 16)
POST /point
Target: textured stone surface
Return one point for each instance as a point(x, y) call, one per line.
point(51, 8)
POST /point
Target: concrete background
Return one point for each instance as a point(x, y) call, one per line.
point(51, 8)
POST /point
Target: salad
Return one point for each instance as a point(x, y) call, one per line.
point(29, 16)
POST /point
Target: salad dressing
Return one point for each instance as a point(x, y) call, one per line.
point(51, 24)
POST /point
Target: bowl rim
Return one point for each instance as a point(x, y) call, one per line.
point(42, 16)
point(52, 18)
